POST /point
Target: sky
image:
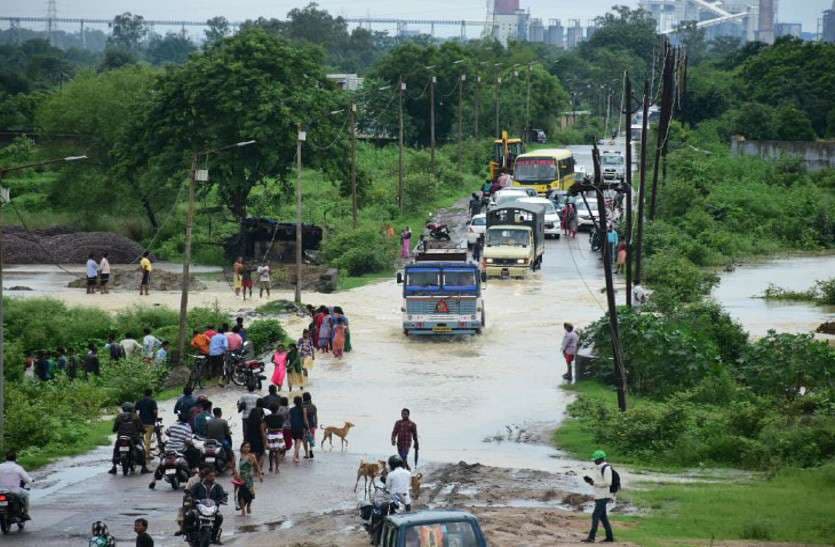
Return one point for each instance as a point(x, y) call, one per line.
point(804, 11)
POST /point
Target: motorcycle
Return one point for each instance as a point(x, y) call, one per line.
point(204, 515)
point(11, 511)
point(438, 232)
point(246, 372)
point(127, 454)
point(174, 469)
point(374, 513)
point(214, 455)
point(158, 432)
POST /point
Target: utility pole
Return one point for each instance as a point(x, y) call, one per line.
point(353, 114)
point(302, 136)
point(608, 113)
point(668, 82)
point(5, 197)
point(498, 127)
point(477, 110)
point(614, 331)
point(528, 103)
point(627, 112)
point(400, 161)
point(432, 127)
point(642, 186)
point(461, 107)
point(183, 332)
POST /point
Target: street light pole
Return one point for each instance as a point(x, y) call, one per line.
point(353, 114)
point(400, 160)
point(194, 177)
point(528, 103)
point(498, 127)
point(477, 110)
point(432, 127)
point(4, 199)
point(302, 136)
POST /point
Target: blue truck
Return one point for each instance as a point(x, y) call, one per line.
point(442, 294)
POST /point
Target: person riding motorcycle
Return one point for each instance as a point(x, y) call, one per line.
point(208, 489)
point(128, 424)
point(12, 476)
point(399, 481)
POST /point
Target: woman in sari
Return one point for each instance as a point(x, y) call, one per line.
point(295, 377)
point(325, 330)
point(406, 243)
point(316, 325)
point(280, 362)
point(339, 328)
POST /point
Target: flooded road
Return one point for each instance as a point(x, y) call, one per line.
point(460, 391)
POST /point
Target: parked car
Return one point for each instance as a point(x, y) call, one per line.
point(585, 214)
point(506, 196)
point(476, 228)
point(552, 217)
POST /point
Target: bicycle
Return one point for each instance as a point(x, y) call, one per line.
point(199, 364)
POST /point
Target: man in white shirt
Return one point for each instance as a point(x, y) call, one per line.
point(399, 481)
point(104, 273)
point(11, 477)
point(131, 346)
point(602, 486)
point(264, 282)
point(150, 345)
point(570, 343)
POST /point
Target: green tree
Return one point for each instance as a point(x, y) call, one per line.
point(625, 29)
point(172, 48)
point(253, 85)
point(792, 124)
point(755, 121)
point(128, 31)
point(116, 57)
point(218, 29)
point(692, 38)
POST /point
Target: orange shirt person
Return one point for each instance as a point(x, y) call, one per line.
point(200, 342)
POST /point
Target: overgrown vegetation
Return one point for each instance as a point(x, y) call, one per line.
point(822, 293)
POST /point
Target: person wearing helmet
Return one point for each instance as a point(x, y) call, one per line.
point(128, 424)
point(398, 481)
point(602, 496)
point(101, 535)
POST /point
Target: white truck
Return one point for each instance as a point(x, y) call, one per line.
point(613, 165)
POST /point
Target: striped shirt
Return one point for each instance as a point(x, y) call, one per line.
point(178, 434)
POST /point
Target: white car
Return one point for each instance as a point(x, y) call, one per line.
point(476, 228)
point(506, 196)
point(552, 216)
point(584, 214)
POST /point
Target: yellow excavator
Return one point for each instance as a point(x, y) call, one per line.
point(505, 151)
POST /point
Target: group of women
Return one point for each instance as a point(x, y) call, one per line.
point(329, 331)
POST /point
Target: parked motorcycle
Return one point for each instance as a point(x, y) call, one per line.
point(203, 517)
point(214, 455)
point(174, 469)
point(246, 372)
point(438, 232)
point(11, 511)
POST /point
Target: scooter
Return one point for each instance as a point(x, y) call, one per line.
point(11, 511)
point(174, 469)
point(214, 455)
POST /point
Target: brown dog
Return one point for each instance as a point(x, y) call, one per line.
point(369, 471)
point(415, 485)
point(341, 432)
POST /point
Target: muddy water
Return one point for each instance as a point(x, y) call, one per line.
point(739, 293)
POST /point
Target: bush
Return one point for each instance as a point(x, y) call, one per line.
point(265, 334)
point(360, 251)
point(132, 322)
point(675, 280)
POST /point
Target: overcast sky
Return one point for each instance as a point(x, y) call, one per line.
point(803, 11)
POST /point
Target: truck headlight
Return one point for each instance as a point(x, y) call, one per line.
point(488, 260)
point(521, 261)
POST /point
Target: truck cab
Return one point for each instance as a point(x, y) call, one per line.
point(613, 165)
point(442, 294)
point(442, 528)
point(514, 240)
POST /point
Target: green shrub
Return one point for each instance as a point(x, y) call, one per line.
point(360, 251)
point(199, 318)
point(132, 322)
point(759, 530)
point(676, 279)
point(265, 334)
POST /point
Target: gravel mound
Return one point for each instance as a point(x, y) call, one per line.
point(63, 246)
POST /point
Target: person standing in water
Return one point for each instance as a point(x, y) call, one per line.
point(406, 243)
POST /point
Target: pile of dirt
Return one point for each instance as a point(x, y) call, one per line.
point(64, 246)
point(827, 328)
point(129, 278)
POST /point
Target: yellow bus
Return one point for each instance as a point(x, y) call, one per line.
point(545, 170)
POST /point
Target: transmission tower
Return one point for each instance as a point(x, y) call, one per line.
point(51, 15)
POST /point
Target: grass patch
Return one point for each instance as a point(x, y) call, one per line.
point(795, 506)
point(93, 434)
point(347, 282)
point(822, 293)
point(277, 306)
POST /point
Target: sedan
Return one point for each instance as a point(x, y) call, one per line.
point(476, 228)
point(585, 214)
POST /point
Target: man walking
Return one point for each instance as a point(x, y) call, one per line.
point(602, 484)
point(218, 346)
point(264, 279)
point(92, 274)
point(570, 342)
point(104, 273)
point(402, 435)
point(148, 411)
point(145, 267)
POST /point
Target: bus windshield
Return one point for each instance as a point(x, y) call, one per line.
point(507, 238)
point(535, 170)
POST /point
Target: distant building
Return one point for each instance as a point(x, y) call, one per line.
point(746, 19)
point(555, 35)
point(348, 82)
point(536, 31)
point(788, 29)
point(590, 30)
point(505, 7)
point(828, 25)
point(573, 35)
point(510, 27)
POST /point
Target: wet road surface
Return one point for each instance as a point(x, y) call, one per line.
point(459, 390)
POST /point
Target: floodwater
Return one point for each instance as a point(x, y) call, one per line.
point(739, 293)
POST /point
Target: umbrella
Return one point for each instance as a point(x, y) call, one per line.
point(416, 457)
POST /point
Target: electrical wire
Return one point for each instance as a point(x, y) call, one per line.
point(583, 279)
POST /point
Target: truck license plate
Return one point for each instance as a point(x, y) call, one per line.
point(442, 329)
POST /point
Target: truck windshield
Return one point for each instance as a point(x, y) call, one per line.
point(459, 278)
point(507, 238)
point(535, 170)
point(460, 534)
point(612, 160)
point(423, 278)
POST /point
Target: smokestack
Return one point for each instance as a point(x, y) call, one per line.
point(765, 31)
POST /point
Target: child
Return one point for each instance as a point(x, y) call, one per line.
point(621, 257)
point(306, 352)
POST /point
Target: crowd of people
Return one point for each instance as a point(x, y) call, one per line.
point(98, 273)
point(242, 280)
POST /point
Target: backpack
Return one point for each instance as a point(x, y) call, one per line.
point(614, 488)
